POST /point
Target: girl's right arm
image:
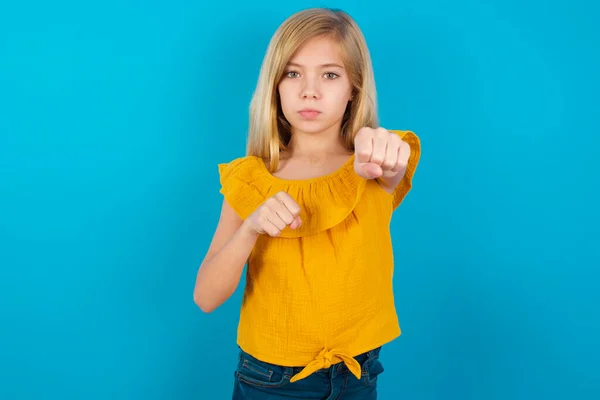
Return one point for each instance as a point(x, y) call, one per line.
point(221, 269)
point(233, 241)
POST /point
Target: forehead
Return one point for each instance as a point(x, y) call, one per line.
point(319, 50)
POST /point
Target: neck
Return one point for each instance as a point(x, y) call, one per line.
point(313, 144)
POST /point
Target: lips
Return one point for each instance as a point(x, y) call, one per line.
point(309, 113)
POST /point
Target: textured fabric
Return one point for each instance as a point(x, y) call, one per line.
point(321, 294)
point(258, 380)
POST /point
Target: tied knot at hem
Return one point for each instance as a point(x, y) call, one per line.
point(325, 359)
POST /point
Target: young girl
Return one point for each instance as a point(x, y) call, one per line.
point(308, 209)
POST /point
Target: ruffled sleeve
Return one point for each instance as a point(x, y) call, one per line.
point(405, 184)
point(324, 201)
point(240, 185)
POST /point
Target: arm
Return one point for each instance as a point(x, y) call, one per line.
point(233, 241)
point(221, 269)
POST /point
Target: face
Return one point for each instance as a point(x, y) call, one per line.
point(315, 88)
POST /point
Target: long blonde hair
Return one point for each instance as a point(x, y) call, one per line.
point(269, 131)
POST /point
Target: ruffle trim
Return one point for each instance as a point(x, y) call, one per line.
point(405, 185)
point(324, 201)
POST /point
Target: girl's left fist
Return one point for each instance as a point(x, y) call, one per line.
point(379, 153)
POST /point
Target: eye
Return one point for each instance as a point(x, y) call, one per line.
point(291, 74)
point(331, 75)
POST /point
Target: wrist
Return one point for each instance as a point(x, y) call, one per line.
point(247, 231)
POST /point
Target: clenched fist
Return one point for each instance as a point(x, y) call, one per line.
point(274, 215)
point(379, 153)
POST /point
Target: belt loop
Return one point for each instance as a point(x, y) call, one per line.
point(288, 372)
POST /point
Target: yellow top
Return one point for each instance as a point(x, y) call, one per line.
point(320, 294)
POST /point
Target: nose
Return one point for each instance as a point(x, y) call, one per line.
point(309, 94)
point(310, 89)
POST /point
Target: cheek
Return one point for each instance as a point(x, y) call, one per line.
point(284, 96)
point(339, 101)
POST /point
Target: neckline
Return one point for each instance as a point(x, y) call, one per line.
point(315, 179)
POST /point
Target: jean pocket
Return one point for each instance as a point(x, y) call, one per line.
point(260, 374)
point(371, 370)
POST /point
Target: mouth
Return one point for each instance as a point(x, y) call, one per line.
point(309, 113)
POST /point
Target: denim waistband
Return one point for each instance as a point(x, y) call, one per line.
point(332, 371)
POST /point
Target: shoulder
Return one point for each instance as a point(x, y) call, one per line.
point(409, 137)
point(246, 162)
point(243, 184)
point(242, 168)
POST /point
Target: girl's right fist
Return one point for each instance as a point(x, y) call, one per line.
point(274, 215)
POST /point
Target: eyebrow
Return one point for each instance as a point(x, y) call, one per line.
point(328, 65)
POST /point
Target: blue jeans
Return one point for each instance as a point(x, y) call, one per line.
point(257, 380)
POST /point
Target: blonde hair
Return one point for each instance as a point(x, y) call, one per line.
point(269, 131)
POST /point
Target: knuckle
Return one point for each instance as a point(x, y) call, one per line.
point(376, 159)
point(388, 164)
point(363, 153)
point(364, 132)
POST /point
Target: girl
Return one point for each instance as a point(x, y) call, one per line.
point(308, 209)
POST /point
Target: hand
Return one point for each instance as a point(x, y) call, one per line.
point(379, 153)
point(274, 215)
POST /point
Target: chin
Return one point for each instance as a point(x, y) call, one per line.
point(310, 126)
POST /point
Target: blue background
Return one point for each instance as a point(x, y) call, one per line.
point(114, 115)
